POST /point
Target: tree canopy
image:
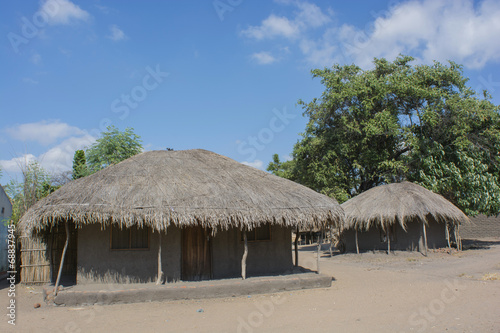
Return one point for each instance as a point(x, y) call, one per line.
point(80, 168)
point(399, 122)
point(36, 184)
point(112, 147)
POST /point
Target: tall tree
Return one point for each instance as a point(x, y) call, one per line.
point(112, 147)
point(398, 121)
point(79, 165)
point(36, 184)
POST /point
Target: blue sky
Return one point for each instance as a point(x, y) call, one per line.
point(221, 75)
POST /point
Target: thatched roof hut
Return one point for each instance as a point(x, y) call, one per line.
point(176, 190)
point(400, 204)
point(160, 188)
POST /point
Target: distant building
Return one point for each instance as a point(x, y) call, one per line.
point(5, 213)
point(482, 226)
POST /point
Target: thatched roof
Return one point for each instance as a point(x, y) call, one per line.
point(399, 203)
point(159, 188)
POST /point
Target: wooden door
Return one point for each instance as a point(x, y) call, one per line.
point(196, 258)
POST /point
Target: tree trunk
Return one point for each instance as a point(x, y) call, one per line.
point(244, 258)
point(62, 257)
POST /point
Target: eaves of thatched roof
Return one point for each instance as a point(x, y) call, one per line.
point(399, 203)
point(160, 188)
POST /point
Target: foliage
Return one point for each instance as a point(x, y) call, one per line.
point(112, 147)
point(80, 168)
point(35, 185)
point(395, 122)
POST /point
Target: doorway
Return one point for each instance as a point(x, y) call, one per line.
point(196, 256)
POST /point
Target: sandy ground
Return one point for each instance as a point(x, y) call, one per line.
point(372, 292)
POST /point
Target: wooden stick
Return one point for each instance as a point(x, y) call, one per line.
point(388, 235)
point(356, 238)
point(160, 272)
point(447, 229)
point(320, 240)
point(331, 242)
point(425, 238)
point(62, 258)
point(244, 258)
point(458, 239)
point(296, 243)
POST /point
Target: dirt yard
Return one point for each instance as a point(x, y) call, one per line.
point(372, 292)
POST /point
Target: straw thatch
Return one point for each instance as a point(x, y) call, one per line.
point(159, 188)
point(399, 203)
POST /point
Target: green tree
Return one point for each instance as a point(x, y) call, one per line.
point(36, 184)
point(398, 121)
point(112, 147)
point(79, 165)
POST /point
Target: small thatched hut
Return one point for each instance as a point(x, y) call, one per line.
point(178, 215)
point(400, 216)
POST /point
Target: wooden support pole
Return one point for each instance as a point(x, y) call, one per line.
point(331, 242)
point(160, 272)
point(457, 237)
point(388, 236)
point(425, 238)
point(320, 240)
point(296, 243)
point(447, 229)
point(244, 258)
point(356, 239)
point(62, 257)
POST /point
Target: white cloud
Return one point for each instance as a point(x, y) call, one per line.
point(263, 58)
point(308, 15)
point(257, 164)
point(60, 157)
point(57, 159)
point(428, 30)
point(463, 31)
point(116, 33)
point(43, 132)
point(63, 12)
point(273, 26)
point(16, 164)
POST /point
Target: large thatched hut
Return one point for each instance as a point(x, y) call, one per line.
point(183, 215)
point(400, 216)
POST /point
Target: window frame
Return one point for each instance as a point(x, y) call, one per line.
point(129, 239)
point(254, 230)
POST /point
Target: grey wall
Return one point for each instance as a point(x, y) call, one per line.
point(7, 212)
point(481, 227)
point(410, 240)
point(264, 257)
point(97, 263)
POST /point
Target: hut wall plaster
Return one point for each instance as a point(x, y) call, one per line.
point(409, 240)
point(264, 257)
point(97, 263)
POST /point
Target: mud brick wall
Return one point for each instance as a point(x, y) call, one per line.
point(481, 227)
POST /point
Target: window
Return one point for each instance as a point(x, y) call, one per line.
point(130, 238)
point(261, 233)
point(3, 210)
